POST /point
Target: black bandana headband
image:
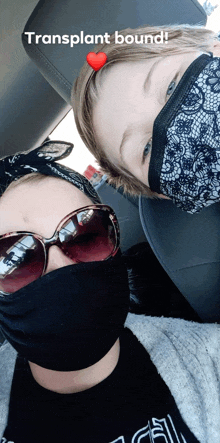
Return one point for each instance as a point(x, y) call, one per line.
point(43, 160)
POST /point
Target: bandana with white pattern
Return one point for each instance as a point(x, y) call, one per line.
point(44, 160)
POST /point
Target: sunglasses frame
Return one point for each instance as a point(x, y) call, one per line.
point(54, 240)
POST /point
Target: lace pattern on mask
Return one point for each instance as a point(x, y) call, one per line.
point(190, 173)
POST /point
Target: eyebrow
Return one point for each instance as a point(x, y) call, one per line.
point(126, 136)
point(150, 74)
point(129, 130)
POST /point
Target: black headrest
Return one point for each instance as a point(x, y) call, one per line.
point(59, 63)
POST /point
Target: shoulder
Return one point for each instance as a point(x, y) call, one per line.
point(185, 335)
point(186, 355)
point(7, 364)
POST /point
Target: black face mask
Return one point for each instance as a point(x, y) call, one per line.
point(70, 318)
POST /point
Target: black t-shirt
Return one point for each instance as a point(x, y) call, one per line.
point(132, 405)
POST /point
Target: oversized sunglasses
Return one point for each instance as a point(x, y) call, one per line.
point(89, 234)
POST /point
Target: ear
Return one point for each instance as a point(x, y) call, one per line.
point(215, 48)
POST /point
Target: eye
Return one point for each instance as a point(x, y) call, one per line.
point(171, 87)
point(147, 149)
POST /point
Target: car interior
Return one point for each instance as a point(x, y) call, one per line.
point(36, 83)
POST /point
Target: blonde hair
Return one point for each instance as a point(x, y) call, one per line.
point(85, 92)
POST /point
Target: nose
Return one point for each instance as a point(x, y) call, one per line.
point(57, 259)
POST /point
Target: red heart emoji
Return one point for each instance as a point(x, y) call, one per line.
point(96, 61)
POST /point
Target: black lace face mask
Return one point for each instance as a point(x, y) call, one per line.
point(185, 159)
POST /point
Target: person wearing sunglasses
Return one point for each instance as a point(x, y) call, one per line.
point(75, 365)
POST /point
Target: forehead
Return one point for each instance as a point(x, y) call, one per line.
point(118, 93)
point(39, 205)
point(126, 102)
point(130, 96)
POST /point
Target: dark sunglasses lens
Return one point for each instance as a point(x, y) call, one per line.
point(21, 261)
point(88, 236)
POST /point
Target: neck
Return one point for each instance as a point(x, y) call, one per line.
point(77, 381)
